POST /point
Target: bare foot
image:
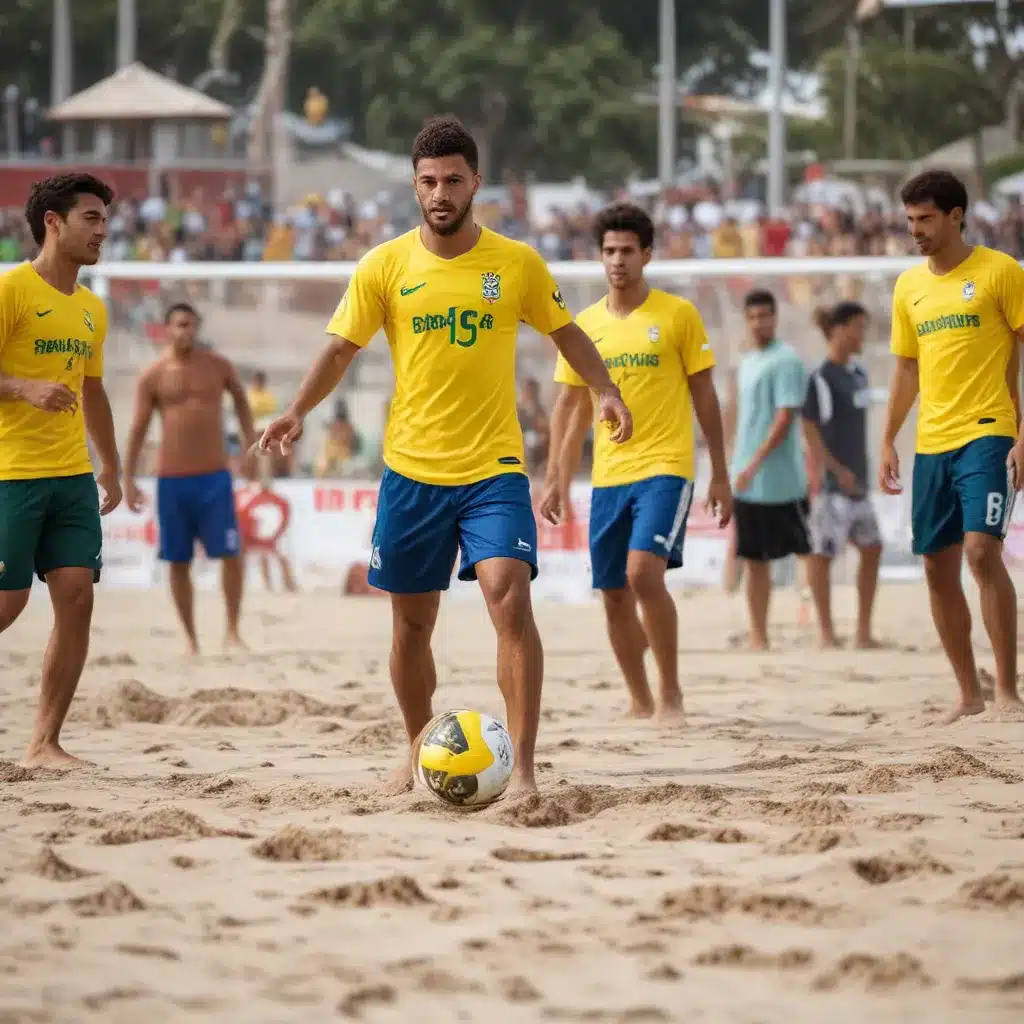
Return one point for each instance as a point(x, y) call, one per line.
point(670, 710)
point(868, 643)
point(233, 642)
point(640, 708)
point(400, 781)
point(521, 785)
point(756, 643)
point(51, 755)
point(191, 649)
point(830, 642)
point(1009, 702)
point(962, 710)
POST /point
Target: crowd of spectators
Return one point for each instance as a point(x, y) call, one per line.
point(334, 226)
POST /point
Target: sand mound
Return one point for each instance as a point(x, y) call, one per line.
point(515, 855)
point(165, 823)
point(48, 865)
point(712, 901)
point(301, 844)
point(111, 901)
point(996, 890)
point(397, 891)
point(747, 956)
point(810, 811)
point(894, 868)
point(875, 973)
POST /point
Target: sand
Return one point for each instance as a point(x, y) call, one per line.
point(806, 850)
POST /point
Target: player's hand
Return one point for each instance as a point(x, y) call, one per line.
point(889, 471)
point(553, 504)
point(719, 500)
point(283, 432)
point(49, 396)
point(134, 497)
point(1015, 466)
point(109, 483)
point(848, 482)
point(612, 409)
point(744, 479)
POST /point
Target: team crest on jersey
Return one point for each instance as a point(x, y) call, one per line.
point(88, 321)
point(654, 333)
point(492, 286)
point(968, 291)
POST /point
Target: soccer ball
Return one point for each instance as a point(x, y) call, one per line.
point(465, 758)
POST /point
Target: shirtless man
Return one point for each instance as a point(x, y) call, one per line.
point(195, 496)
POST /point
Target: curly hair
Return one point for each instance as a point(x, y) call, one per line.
point(445, 136)
point(625, 217)
point(59, 194)
point(943, 188)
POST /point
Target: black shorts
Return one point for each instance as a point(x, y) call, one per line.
point(767, 532)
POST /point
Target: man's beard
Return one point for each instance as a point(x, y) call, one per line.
point(452, 226)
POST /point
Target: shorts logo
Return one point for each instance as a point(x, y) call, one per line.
point(88, 321)
point(3, 568)
point(968, 291)
point(231, 540)
point(521, 545)
point(375, 558)
point(491, 290)
point(653, 333)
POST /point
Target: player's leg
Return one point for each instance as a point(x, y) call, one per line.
point(750, 549)
point(22, 511)
point(611, 523)
point(937, 527)
point(218, 530)
point(660, 508)
point(178, 522)
point(867, 537)
point(415, 541)
point(498, 537)
point(987, 498)
point(829, 529)
point(68, 560)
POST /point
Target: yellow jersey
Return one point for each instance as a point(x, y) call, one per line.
point(960, 327)
point(649, 354)
point(46, 335)
point(452, 326)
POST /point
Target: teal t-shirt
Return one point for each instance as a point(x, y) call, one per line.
point(770, 379)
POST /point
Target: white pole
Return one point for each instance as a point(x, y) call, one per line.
point(667, 94)
point(777, 124)
point(126, 32)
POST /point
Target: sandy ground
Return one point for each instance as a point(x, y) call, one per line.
point(806, 850)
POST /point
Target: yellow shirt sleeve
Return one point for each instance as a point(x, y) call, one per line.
point(94, 363)
point(360, 314)
point(543, 307)
point(692, 339)
point(903, 339)
point(11, 309)
point(565, 374)
point(1010, 285)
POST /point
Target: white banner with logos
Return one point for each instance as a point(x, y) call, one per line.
point(323, 528)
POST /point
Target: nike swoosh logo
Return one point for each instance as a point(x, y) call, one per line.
point(409, 291)
point(917, 300)
point(45, 312)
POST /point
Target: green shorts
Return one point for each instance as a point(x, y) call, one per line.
point(52, 523)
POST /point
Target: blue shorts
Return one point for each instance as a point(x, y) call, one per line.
point(191, 508)
point(963, 491)
point(421, 527)
point(649, 515)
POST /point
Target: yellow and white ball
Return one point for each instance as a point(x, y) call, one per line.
point(465, 758)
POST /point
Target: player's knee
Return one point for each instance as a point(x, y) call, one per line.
point(413, 617)
point(12, 604)
point(617, 600)
point(984, 554)
point(646, 580)
point(72, 597)
point(508, 602)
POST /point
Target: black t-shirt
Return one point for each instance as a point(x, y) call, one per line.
point(837, 400)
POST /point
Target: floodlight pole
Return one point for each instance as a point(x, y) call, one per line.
point(777, 120)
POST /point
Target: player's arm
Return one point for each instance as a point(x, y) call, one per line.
point(43, 394)
point(579, 414)
point(142, 414)
point(243, 411)
point(543, 308)
point(99, 421)
point(699, 363)
point(904, 385)
point(821, 456)
point(359, 316)
point(729, 412)
point(787, 392)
